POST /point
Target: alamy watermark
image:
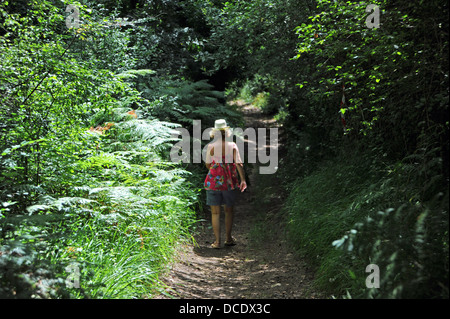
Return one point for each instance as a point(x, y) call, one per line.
point(373, 280)
point(261, 147)
point(373, 19)
point(73, 279)
point(73, 19)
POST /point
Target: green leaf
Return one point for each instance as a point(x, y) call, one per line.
point(352, 274)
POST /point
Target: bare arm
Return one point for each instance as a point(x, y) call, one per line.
point(240, 168)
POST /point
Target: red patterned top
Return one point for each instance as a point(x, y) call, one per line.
point(222, 173)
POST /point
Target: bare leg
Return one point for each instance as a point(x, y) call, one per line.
point(229, 212)
point(215, 221)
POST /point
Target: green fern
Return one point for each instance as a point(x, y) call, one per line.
point(182, 101)
point(133, 74)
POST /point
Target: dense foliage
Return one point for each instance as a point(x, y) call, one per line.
point(87, 188)
point(86, 116)
point(367, 179)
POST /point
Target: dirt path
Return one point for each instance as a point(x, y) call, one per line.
point(260, 266)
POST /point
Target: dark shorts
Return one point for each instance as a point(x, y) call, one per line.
point(214, 198)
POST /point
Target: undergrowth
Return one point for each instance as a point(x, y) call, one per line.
point(111, 227)
point(346, 215)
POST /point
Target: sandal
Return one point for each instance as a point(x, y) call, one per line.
point(215, 245)
point(232, 242)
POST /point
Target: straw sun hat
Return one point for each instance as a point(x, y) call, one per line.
point(221, 125)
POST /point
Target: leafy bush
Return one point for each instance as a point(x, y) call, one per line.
point(85, 179)
point(346, 215)
point(120, 226)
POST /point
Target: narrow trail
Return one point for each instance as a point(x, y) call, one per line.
point(253, 269)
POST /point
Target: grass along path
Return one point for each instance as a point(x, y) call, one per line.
point(261, 265)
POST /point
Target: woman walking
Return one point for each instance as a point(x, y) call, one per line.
point(223, 162)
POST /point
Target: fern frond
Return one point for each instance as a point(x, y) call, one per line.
point(153, 134)
point(59, 204)
point(131, 74)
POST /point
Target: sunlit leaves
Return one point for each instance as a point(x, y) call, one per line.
point(59, 181)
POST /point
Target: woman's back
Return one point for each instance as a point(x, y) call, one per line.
point(219, 150)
